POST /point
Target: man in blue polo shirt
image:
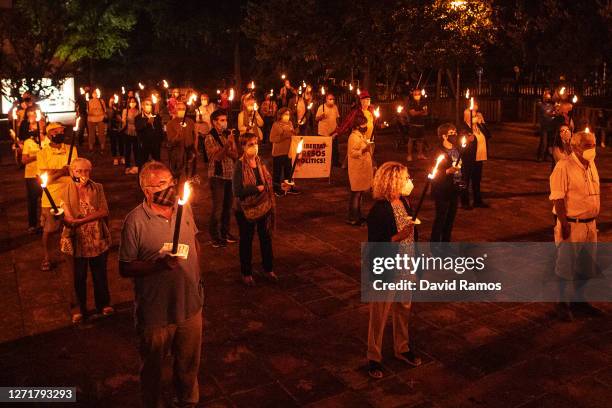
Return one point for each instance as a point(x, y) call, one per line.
point(167, 289)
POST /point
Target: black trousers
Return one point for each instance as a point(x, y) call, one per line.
point(336, 152)
point(281, 169)
point(546, 139)
point(247, 232)
point(131, 145)
point(116, 142)
point(355, 205)
point(446, 209)
point(100, 282)
point(472, 174)
point(220, 215)
point(33, 192)
point(268, 121)
point(150, 149)
point(82, 129)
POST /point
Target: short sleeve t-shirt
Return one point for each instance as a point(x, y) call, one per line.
point(31, 148)
point(328, 125)
point(418, 107)
point(51, 158)
point(167, 297)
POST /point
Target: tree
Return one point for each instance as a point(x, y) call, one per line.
point(46, 39)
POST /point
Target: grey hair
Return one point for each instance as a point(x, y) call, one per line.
point(79, 160)
point(150, 167)
point(578, 137)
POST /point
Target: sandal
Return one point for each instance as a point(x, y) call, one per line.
point(410, 358)
point(248, 280)
point(77, 318)
point(45, 265)
point(375, 370)
point(107, 311)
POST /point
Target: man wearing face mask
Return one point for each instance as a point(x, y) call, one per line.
point(574, 191)
point(222, 152)
point(181, 148)
point(280, 135)
point(53, 160)
point(150, 133)
point(168, 292)
point(445, 188)
point(417, 111)
point(173, 101)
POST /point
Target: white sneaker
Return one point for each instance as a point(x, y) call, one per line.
point(115, 162)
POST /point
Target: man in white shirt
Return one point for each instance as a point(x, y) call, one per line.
point(327, 119)
point(574, 190)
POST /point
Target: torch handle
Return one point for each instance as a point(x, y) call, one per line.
point(53, 205)
point(420, 204)
point(74, 136)
point(177, 229)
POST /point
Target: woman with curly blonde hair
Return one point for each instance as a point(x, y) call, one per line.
point(390, 220)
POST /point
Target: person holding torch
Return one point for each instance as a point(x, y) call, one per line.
point(53, 165)
point(391, 220)
point(360, 168)
point(475, 156)
point(168, 291)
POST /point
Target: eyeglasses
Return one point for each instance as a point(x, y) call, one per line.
point(163, 184)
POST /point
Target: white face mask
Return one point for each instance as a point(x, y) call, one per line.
point(132, 105)
point(407, 188)
point(204, 102)
point(285, 118)
point(252, 150)
point(589, 154)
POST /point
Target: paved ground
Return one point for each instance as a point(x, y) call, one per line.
point(302, 342)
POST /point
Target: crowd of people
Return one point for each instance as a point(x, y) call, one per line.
point(168, 289)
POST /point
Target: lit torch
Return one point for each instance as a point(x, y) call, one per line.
point(463, 146)
point(283, 76)
point(154, 99)
point(98, 92)
point(165, 83)
point(82, 91)
point(141, 86)
point(116, 99)
point(179, 215)
point(255, 107)
point(430, 177)
point(123, 90)
point(298, 153)
point(472, 114)
point(231, 94)
point(399, 109)
point(44, 179)
point(252, 85)
point(575, 99)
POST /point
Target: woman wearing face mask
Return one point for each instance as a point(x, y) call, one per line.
point(86, 237)
point(252, 185)
point(390, 220)
point(359, 151)
point(561, 145)
point(249, 119)
point(203, 124)
point(128, 126)
point(31, 146)
point(280, 135)
point(447, 185)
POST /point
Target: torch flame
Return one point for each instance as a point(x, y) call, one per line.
point(82, 91)
point(218, 91)
point(350, 87)
point(165, 83)
point(400, 108)
point(358, 91)
point(141, 86)
point(423, 93)
point(154, 99)
point(186, 193)
point(377, 112)
point(252, 85)
point(271, 92)
point(44, 178)
point(98, 92)
point(116, 98)
point(463, 142)
point(231, 94)
point(283, 76)
point(562, 91)
point(87, 96)
point(322, 90)
point(15, 117)
point(310, 106)
point(587, 130)
point(255, 107)
point(38, 115)
point(123, 90)
point(471, 103)
point(575, 99)
point(76, 124)
point(303, 84)
point(300, 146)
point(467, 94)
point(435, 169)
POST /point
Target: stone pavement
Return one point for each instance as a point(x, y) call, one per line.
point(301, 342)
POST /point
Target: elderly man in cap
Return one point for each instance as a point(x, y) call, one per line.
point(168, 291)
point(53, 160)
point(574, 190)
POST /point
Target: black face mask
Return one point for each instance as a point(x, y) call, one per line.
point(363, 129)
point(452, 139)
point(166, 197)
point(58, 138)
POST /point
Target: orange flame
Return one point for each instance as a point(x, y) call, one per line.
point(44, 178)
point(435, 169)
point(186, 193)
point(300, 146)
